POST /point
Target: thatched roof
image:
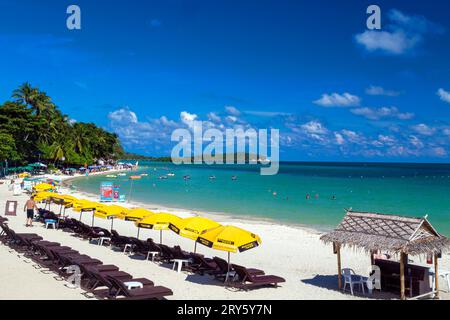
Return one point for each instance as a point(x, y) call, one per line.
point(392, 233)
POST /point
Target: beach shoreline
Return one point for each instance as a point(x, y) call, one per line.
point(218, 216)
point(294, 253)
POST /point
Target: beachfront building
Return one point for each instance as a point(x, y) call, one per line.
point(400, 237)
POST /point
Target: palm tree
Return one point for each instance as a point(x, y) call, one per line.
point(43, 105)
point(25, 94)
point(37, 100)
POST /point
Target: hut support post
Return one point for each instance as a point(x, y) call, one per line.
point(338, 253)
point(402, 276)
point(436, 277)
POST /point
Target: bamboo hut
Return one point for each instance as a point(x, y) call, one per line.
point(394, 234)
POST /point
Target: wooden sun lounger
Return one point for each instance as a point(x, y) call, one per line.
point(144, 293)
point(248, 281)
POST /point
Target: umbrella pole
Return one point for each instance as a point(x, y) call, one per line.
point(81, 212)
point(195, 247)
point(139, 229)
point(112, 224)
point(160, 236)
point(93, 215)
point(228, 271)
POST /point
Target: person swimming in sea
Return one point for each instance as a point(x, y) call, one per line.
point(308, 196)
point(333, 197)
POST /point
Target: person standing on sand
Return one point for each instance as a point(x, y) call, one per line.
point(30, 205)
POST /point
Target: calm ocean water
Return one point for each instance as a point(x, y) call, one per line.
point(407, 189)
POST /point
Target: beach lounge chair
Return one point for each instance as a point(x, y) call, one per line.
point(202, 265)
point(166, 253)
point(119, 241)
point(144, 293)
point(101, 279)
point(247, 281)
point(94, 276)
point(224, 269)
point(142, 247)
point(351, 279)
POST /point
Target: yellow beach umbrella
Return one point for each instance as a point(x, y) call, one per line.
point(108, 212)
point(43, 187)
point(67, 201)
point(136, 214)
point(157, 221)
point(43, 195)
point(230, 239)
point(85, 205)
point(193, 227)
point(57, 199)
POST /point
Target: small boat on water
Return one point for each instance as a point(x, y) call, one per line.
point(234, 178)
point(135, 177)
point(212, 177)
point(144, 174)
point(162, 177)
point(121, 174)
point(111, 176)
point(171, 174)
point(186, 177)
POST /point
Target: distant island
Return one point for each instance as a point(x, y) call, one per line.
point(248, 158)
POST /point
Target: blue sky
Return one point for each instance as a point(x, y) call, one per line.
point(336, 90)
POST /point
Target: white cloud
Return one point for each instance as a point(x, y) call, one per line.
point(386, 139)
point(423, 129)
point(444, 95)
point(314, 127)
point(401, 35)
point(338, 100)
point(440, 152)
point(212, 116)
point(339, 138)
point(416, 142)
point(267, 113)
point(188, 118)
point(391, 42)
point(231, 119)
point(380, 91)
point(123, 115)
point(384, 112)
point(232, 110)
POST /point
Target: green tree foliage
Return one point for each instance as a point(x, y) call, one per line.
point(33, 127)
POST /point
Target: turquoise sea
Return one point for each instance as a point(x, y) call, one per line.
point(407, 189)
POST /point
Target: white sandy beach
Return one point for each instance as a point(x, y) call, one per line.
point(294, 253)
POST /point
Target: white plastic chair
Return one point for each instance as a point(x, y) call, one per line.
point(442, 274)
point(374, 281)
point(351, 278)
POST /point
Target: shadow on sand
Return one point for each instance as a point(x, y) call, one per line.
point(330, 282)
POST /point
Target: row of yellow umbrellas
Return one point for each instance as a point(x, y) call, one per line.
point(202, 230)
